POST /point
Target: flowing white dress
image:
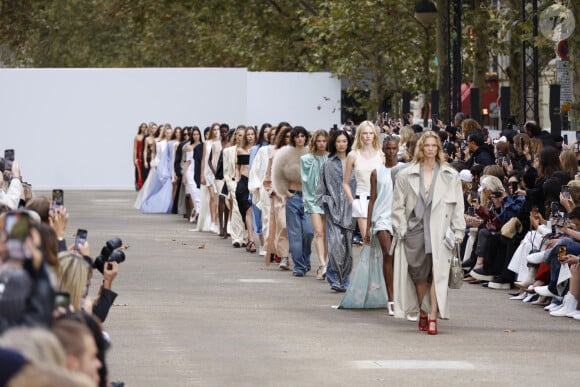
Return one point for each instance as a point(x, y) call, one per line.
point(204, 219)
point(144, 191)
point(191, 187)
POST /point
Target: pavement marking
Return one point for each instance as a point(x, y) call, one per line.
point(257, 281)
point(413, 364)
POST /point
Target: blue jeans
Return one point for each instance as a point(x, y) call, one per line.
point(332, 278)
point(300, 234)
point(551, 257)
point(257, 219)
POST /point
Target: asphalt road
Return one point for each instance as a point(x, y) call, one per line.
point(194, 311)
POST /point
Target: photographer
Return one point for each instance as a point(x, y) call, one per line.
point(11, 198)
point(26, 294)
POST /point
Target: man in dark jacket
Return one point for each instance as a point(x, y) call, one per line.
point(481, 153)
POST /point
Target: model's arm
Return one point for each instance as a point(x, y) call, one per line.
point(202, 173)
point(145, 153)
point(135, 145)
point(350, 159)
point(367, 238)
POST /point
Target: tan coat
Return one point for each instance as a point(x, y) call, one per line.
point(446, 210)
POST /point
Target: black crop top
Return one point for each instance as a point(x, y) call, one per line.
point(244, 159)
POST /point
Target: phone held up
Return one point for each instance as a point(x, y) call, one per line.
point(8, 159)
point(62, 300)
point(80, 238)
point(57, 199)
point(17, 228)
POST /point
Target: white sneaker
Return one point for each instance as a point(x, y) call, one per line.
point(284, 264)
point(520, 296)
point(262, 251)
point(214, 228)
point(568, 305)
point(573, 313)
point(552, 306)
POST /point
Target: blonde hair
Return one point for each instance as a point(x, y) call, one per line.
point(358, 144)
point(406, 134)
point(419, 156)
point(569, 162)
point(469, 126)
point(489, 183)
point(37, 345)
point(73, 273)
point(43, 376)
point(234, 138)
point(315, 135)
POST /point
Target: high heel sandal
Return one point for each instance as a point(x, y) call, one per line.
point(423, 322)
point(432, 327)
point(251, 247)
point(320, 273)
point(391, 308)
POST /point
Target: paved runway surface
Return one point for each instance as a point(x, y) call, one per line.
point(194, 311)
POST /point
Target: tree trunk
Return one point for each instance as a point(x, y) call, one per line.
point(514, 71)
point(480, 44)
point(443, 75)
point(574, 43)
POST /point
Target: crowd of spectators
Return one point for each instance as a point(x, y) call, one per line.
point(51, 331)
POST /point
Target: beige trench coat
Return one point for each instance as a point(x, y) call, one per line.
point(446, 210)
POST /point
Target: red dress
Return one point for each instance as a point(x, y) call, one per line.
point(138, 171)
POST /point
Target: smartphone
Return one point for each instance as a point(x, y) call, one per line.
point(566, 192)
point(471, 211)
point(514, 187)
point(8, 159)
point(562, 253)
point(17, 227)
point(335, 127)
point(554, 209)
point(565, 139)
point(80, 238)
point(57, 199)
point(435, 119)
point(62, 299)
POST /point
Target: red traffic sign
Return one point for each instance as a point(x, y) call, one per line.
point(563, 50)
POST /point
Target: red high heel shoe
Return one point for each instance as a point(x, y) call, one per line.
point(423, 324)
point(432, 327)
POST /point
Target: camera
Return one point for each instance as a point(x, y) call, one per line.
point(110, 253)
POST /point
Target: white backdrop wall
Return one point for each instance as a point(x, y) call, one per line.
point(74, 128)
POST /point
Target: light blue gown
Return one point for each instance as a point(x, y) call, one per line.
point(160, 197)
point(367, 287)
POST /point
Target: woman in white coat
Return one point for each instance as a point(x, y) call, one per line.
point(427, 201)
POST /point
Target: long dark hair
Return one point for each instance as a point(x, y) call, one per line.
point(332, 143)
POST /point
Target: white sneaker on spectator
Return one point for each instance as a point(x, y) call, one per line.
point(520, 296)
point(573, 313)
point(553, 305)
point(577, 316)
point(544, 291)
point(529, 298)
point(568, 305)
point(262, 251)
point(542, 301)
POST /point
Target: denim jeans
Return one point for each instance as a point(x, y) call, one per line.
point(257, 219)
point(551, 257)
point(300, 234)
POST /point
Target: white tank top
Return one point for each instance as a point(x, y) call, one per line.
point(362, 171)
